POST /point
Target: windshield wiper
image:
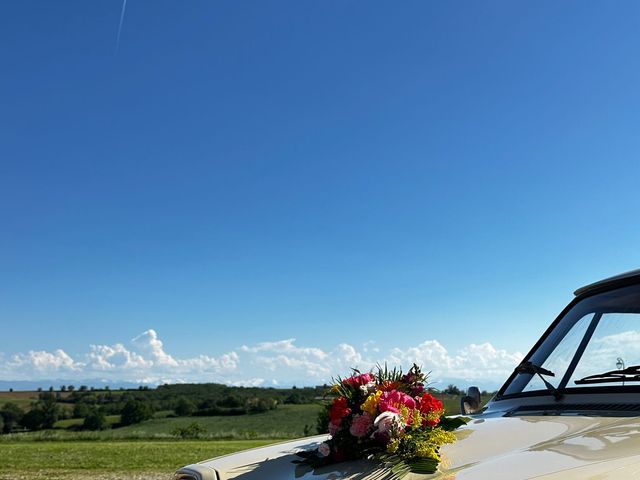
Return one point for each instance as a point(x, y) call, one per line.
point(629, 374)
point(528, 367)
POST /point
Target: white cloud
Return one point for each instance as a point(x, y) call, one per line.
point(44, 362)
point(283, 362)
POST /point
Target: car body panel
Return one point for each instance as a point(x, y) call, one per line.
point(549, 447)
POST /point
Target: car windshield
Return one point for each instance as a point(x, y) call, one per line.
point(595, 344)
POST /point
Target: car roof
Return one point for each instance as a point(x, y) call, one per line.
point(626, 278)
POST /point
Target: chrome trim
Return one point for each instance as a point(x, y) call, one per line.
point(195, 472)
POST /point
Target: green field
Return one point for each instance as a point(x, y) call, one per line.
point(143, 460)
point(287, 421)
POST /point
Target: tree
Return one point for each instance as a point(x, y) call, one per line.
point(1, 424)
point(231, 401)
point(49, 408)
point(135, 411)
point(11, 414)
point(81, 410)
point(452, 390)
point(95, 420)
point(294, 398)
point(33, 419)
point(184, 407)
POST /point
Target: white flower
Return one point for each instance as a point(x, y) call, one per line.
point(386, 420)
point(324, 449)
point(368, 387)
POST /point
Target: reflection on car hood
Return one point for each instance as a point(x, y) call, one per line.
point(547, 447)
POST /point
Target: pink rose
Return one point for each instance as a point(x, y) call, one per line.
point(360, 425)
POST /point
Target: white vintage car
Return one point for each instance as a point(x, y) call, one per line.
point(570, 410)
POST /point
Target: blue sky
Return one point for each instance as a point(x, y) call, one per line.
point(346, 172)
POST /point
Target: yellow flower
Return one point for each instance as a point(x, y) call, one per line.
point(393, 445)
point(404, 413)
point(417, 418)
point(370, 405)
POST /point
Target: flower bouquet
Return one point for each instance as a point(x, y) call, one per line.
point(387, 416)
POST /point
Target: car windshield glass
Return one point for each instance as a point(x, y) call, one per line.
point(595, 344)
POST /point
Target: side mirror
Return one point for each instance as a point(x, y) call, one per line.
point(471, 403)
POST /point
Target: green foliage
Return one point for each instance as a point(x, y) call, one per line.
point(11, 414)
point(294, 399)
point(231, 401)
point(323, 419)
point(81, 410)
point(452, 390)
point(287, 421)
point(136, 411)
point(401, 467)
point(43, 414)
point(184, 407)
point(192, 431)
point(48, 405)
point(260, 405)
point(95, 420)
point(33, 419)
point(451, 423)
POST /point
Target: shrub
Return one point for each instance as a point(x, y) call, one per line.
point(193, 430)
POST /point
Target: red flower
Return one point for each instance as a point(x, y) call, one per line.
point(431, 407)
point(339, 410)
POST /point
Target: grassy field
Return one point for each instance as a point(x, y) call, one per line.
point(143, 460)
point(287, 421)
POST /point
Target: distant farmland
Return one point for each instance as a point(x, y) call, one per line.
point(152, 449)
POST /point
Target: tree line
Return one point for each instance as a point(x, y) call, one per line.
point(93, 406)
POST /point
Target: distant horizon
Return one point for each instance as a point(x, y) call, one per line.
point(99, 385)
point(144, 361)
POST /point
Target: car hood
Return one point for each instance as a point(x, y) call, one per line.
point(547, 447)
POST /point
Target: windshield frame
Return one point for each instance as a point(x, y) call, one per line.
point(566, 376)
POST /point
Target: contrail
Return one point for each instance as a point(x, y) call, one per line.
point(124, 7)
